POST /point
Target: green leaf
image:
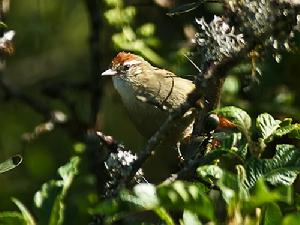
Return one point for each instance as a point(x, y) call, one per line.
point(231, 185)
point(108, 207)
point(297, 200)
point(296, 132)
point(284, 130)
point(233, 143)
point(49, 201)
point(261, 195)
point(68, 172)
point(3, 25)
point(283, 168)
point(237, 116)
point(164, 215)
point(10, 163)
point(210, 172)
point(185, 8)
point(120, 16)
point(183, 195)
point(44, 199)
point(272, 215)
point(146, 30)
point(11, 218)
point(29, 220)
point(190, 218)
point(266, 125)
point(291, 219)
point(146, 193)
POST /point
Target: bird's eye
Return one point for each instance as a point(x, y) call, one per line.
point(126, 67)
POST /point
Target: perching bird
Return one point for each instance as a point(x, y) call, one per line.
point(150, 94)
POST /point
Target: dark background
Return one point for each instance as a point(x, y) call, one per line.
point(52, 56)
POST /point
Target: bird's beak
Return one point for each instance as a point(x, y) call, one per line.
point(109, 72)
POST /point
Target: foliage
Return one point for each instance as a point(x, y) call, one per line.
point(140, 39)
point(247, 175)
point(49, 201)
point(10, 163)
point(244, 191)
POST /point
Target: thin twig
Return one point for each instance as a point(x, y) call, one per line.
point(192, 166)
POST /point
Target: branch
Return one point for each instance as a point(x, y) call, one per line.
point(212, 76)
point(12, 92)
point(192, 165)
point(95, 23)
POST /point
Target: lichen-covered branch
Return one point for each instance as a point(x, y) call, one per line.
point(222, 48)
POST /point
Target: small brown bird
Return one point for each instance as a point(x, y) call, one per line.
point(149, 93)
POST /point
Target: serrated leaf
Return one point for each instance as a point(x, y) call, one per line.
point(10, 163)
point(273, 214)
point(238, 117)
point(29, 220)
point(284, 130)
point(185, 8)
point(146, 193)
point(295, 133)
point(190, 218)
point(11, 218)
point(44, 199)
point(281, 169)
point(183, 195)
point(49, 200)
point(68, 171)
point(266, 125)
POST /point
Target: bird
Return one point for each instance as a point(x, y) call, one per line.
point(150, 94)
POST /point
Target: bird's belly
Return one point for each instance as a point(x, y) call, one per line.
point(146, 116)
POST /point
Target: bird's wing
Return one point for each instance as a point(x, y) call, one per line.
point(167, 93)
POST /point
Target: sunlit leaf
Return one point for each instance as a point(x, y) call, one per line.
point(146, 193)
point(266, 125)
point(120, 16)
point(49, 201)
point(238, 117)
point(231, 185)
point(10, 163)
point(164, 215)
point(12, 218)
point(283, 168)
point(25, 212)
point(182, 195)
point(190, 218)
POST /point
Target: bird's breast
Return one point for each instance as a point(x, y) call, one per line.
point(146, 117)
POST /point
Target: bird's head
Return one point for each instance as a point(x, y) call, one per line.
point(125, 65)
